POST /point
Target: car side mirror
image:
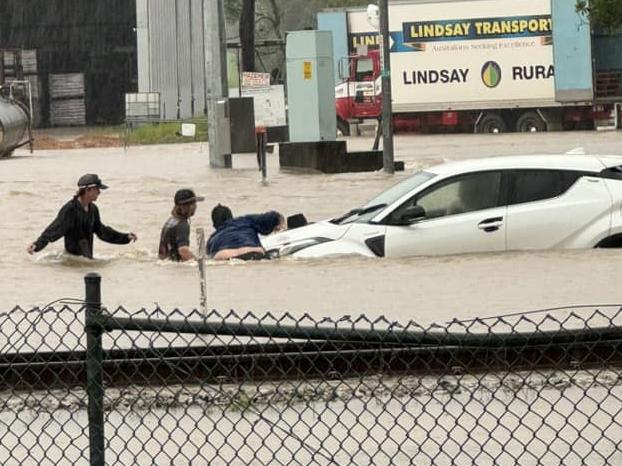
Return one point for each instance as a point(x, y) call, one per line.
point(410, 215)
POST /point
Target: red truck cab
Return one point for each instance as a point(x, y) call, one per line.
point(358, 96)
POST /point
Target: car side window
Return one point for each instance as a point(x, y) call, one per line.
point(467, 193)
point(537, 185)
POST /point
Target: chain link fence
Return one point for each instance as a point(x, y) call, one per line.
point(81, 384)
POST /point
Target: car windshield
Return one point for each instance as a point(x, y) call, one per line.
point(388, 197)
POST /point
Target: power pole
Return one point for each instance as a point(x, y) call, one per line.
point(247, 34)
point(387, 106)
point(217, 84)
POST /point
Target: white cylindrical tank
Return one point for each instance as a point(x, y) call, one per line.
point(14, 122)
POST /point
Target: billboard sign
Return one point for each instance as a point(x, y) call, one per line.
point(451, 55)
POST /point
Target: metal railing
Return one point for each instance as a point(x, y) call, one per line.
point(80, 384)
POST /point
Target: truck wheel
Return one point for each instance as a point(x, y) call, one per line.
point(530, 122)
point(492, 123)
point(343, 126)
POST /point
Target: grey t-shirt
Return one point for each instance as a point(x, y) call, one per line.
point(175, 234)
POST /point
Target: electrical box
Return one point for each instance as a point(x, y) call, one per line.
point(224, 131)
point(310, 86)
point(242, 118)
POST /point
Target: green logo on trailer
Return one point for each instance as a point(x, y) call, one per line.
point(491, 74)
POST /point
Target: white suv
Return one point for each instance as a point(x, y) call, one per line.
point(489, 204)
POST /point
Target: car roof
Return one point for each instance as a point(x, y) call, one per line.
point(559, 162)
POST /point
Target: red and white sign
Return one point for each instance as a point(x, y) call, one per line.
point(252, 80)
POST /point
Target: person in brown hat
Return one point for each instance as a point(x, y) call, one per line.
point(175, 236)
point(78, 220)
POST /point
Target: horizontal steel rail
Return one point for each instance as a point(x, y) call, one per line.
point(212, 364)
point(399, 336)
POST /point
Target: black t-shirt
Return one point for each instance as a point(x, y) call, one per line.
point(175, 234)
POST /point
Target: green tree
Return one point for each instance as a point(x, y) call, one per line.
point(269, 19)
point(606, 14)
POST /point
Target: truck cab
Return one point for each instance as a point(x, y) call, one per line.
point(358, 95)
point(452, 72)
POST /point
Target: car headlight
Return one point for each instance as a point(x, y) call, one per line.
point(291, 248)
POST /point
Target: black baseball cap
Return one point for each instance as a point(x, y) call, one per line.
point(187, 196)
point(91, 180)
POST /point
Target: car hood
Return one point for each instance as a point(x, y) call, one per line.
point(323, 229)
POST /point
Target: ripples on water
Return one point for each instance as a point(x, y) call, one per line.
point(142, 183)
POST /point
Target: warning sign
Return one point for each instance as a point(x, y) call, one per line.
point(307, 70)
point(252, 80)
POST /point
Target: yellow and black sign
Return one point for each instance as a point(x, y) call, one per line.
point(307, 70)
point(371, 40)
point(477, 28)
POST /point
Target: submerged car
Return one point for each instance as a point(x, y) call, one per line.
point(479, 205)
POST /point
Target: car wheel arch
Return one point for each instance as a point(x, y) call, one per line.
point(610, 242)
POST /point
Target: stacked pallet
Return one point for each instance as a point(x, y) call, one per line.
point(30, 69)
point(67, 102)
point(11, 65)
point(19, 62)
point(29, 62)
point(21, 65)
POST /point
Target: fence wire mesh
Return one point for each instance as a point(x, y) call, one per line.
point(279, 389)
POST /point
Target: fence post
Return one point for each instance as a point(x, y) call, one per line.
point(94, 371)
point(262, 139)
point(202, 275)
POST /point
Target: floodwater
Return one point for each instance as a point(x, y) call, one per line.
point(143, 180)
point(483, 421)
point(469, 423)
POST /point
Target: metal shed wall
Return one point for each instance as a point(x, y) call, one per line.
point(96, 38)
point(171, 55)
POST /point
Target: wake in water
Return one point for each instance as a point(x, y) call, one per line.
point(70, 260)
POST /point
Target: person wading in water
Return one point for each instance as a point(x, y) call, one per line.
point(175, 236)
point(78, 220)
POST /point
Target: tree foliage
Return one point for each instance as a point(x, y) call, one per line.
point(606, 14)
point(270, 20)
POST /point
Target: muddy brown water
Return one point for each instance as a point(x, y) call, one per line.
point(142, 181)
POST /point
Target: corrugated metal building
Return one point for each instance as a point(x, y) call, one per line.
point(171, 55)
point(94, 37)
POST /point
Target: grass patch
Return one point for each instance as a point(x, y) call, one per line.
point(165, 132)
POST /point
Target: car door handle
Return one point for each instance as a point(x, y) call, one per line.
point(490, 224)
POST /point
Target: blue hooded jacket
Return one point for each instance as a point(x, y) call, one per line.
point(242, 232)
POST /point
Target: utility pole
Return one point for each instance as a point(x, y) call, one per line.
point(217, 84)
point(387, 107)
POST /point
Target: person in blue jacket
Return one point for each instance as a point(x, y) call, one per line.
point(238, 237)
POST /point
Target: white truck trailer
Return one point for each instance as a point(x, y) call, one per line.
point(476, 65)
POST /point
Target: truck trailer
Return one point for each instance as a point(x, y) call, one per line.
point(485, 66)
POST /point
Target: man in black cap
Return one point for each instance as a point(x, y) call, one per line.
point(78, 220)
point(175, 236)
